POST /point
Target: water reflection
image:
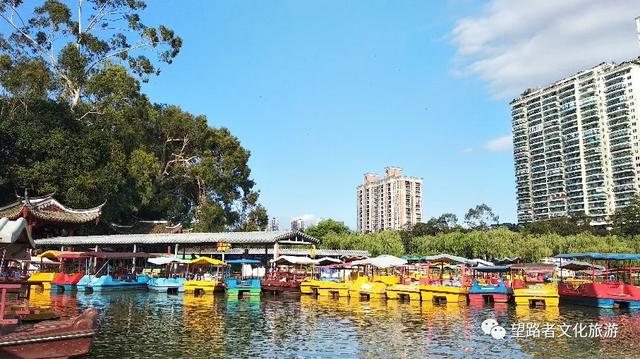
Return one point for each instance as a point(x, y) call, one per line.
point(156, 325)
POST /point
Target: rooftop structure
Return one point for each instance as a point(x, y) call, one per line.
point(40, 211)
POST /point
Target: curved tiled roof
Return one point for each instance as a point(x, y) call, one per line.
point(48, 209)
point(282, 237)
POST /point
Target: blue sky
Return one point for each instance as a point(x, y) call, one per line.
point(321, 92)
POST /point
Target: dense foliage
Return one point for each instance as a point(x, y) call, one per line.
point(489, 244)
point(74, 121)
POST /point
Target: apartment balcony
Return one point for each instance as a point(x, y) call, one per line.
point(614, 87)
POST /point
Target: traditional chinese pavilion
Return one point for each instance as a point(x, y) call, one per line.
point(48, 216)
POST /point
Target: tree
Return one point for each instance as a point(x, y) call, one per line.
point(75, 45)
point(480, 217)
point(626, 220)
point(257, 219)
point(326, 226)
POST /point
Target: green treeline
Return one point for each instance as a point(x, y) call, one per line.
point(488, 244)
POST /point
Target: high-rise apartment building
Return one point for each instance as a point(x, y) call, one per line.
point(576, 144)
point(274, 225)
point(297, 224)
point(392, 202)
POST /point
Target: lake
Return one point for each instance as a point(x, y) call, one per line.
point(153, 325)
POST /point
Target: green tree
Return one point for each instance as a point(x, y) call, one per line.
point(480, 217)
point(626, 220)
point(326, 226)
point(74, 45)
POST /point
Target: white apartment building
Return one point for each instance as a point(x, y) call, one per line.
point(576, 144)
point(297, 224)
point(392, 202)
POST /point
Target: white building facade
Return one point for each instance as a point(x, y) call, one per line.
point(393, 202)
point(576, 146)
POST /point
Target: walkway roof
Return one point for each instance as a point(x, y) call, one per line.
point(264, 238)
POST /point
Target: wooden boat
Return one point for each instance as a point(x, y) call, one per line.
point(172, 279)
point(534, 284)
point(114, 277)
point(49, 339)
point(244, 282)
point(490, 290)
point(205, 276)
point(615, 288)
point(451, 288)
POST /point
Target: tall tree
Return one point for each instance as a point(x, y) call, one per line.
point(74, 45)
point(626, 220)
point(326, 226)
point(480, 217)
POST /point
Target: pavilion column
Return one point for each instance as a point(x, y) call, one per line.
point(135, 248)
point(176, 250)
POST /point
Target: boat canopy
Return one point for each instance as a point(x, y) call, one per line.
point(577, 265)
point(207, 260)
point(601, 256)
point(294, 260)
point(328, 260)
point(534, 267)
point(116, 255)
point(447, 258)
point(492, 269)
point(243, 261)
point(482, 262)
point(382, 261)
point(36, 259)
point(166, 260)
point(51, 254)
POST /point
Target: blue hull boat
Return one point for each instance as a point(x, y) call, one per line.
point(107, 283)
point(165, 285)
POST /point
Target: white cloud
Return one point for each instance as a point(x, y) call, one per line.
point(467, 150)
point(515, 45)
point(499, 144)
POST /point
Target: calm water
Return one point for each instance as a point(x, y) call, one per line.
point(150, 325)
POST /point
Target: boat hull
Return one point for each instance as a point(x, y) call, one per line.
point(404, 292)
point(202, 286)
point(441, 293)
point(44, 278)
point(546, 294)
point(52, 339)
point(165, 285)
point(498, 293)
point(600, 295)
point(107, 284)
point(238, 287)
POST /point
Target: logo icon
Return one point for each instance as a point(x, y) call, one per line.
point(491, 326)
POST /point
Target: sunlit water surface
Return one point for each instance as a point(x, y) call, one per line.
point(151, 325)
